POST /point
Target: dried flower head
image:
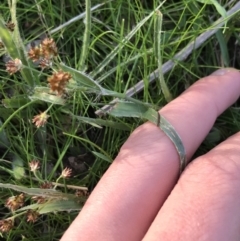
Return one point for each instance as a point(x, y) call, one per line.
point(81, 193)
point(38, 199)
point(46, 185)
point(6, 225)
point(15, 202)
point(67, 172)
point(40, 119)
point(12, 66)
point(32, 216)
point(35, 53)
point(45, 63)
point(58, 81)
point(49, 48)
point(10, 26)
point(34, 165)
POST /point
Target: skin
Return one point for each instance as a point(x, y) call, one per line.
point(140, 196)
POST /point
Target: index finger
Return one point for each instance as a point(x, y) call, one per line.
point(131, 192)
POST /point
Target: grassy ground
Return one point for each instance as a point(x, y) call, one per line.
point(117, 45)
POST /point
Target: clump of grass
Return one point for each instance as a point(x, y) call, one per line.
point(60, 70)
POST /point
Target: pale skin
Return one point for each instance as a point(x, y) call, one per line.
point(141, 196)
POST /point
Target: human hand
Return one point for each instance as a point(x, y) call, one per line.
point(140, 196)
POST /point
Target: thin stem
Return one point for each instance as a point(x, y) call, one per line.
point(86, 37)
point(157, 52)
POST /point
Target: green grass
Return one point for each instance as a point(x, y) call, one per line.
point(117, 47)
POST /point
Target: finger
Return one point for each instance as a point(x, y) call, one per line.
point(204, 205)
point(129, 195)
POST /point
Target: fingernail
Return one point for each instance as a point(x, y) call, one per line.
point(223, 71)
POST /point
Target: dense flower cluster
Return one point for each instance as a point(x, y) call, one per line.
point(15, 202)
point(58, 81)
point(40, 119)
point(34, 165)
point(6, 225)
point(44, 53)
point(13, 66)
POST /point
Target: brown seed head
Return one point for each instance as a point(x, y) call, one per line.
point(12, 66)
point(67, 172)
point(46, 185)
point(35, 53)
point(58, 81)
point(81, 193)
point(15, 202)
point(49, 48)
point(32, 216)
point(45, 63)
point(40, 119)
point(34, 165)
point(6, 225)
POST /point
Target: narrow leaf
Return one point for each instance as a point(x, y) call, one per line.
point(53, 99)
point(54, 205)
point(82, 79)
point(15, 102)
point(17, 167)
point(101, 156)
point(49, 193)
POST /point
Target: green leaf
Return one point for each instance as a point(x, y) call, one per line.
point(54, 205)
point(158, 54)
point(15, 102)
point(17, 167)
point(101, 156)
point(129, 109)
point(48, 193)
point(99, 122)
point(4, 142)
point(82, 79)
point(221, 10)
point(224, 48)
point(42, 93)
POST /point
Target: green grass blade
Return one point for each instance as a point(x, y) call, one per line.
point(86, 37)
point(158, 53)
point(125, 40)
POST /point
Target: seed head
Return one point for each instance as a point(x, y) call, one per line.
point(45, 63)
point(34, 165)
point(32, 216)
point(49, 48)
point(15, 202)
point(40, 119)
point(46, 185)
point(67, 172)
point(35, 53)
point(12, 66)
point(58, 81)
point(6, 225)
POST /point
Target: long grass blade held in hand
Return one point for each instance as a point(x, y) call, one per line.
point(180, 56)
point(128, 109)
point(48, 193)
point(54, 205)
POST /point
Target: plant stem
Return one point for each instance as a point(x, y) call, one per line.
point(86, 37)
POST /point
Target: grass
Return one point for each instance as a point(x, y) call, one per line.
point(115, 47)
